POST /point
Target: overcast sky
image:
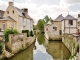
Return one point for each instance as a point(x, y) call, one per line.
point(39, 8)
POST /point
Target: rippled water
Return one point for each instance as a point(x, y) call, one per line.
point(43, 49)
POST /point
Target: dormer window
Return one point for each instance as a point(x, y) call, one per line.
point(23, 14)
point(13, 11)
point(7, 12)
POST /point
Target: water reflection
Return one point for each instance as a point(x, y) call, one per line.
point(57, 50)
point(44, 50)
point(40, 39)
point(24, 55)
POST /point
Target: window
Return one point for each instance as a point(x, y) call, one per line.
point(60, 32)
point(13, 11)
point(70, 22)
point(3, 26)
point(7, 12)
point(55, 28)
point(12, 25)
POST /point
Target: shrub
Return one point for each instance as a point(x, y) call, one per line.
point(1, 48)
point(9, 31)
point(26, 31)
point(31, 33)
point(35, 32)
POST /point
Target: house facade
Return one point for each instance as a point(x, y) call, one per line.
point(54, 30)
point(16, 18)
point(69, 25)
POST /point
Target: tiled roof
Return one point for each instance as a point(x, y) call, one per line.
point(69, 17)
point(59, 18)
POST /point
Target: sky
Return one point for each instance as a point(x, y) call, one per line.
point(40, 8)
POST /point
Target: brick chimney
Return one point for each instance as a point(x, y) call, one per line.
point(11, 3)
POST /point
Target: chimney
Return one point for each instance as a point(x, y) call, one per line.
point(11, 3)
point(78, 15)
point(25, 10)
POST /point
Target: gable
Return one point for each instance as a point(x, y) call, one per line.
point(9, 12)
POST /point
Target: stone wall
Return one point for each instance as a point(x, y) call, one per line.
point(16, 42)
point(54, 31)
point(71, 42)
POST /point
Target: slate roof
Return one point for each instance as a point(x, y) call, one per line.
point(20, 11)
point(1, 13)
point(69, 17)
point(59, 18)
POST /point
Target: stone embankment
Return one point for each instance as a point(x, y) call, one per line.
point(16, 43)
point(72, 43)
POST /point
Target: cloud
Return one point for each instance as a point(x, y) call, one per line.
point(71, 1)
point(38, 9)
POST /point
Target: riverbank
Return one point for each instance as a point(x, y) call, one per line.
point(17, 43)
point(71, 41)
point(30, 41)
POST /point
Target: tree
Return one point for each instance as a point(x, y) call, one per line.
point(46, 19)
point(40, 25)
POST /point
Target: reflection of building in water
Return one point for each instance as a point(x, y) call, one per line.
point(24, 55)
point(57, 50)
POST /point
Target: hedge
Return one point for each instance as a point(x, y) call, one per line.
point(26, 31)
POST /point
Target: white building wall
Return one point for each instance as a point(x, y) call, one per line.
point(67, 23)
point(71, 30)
point(21, 22)
point(63, 26)
point(28, 24)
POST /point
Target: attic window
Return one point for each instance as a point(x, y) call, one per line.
point(7, 12)
point(13, 11)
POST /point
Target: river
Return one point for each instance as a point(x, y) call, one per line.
point(43, 49)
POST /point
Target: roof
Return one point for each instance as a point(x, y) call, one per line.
point(49, 22)
point(20, 11)
point(7, 18)
point(69, 17)
point(59, 18)
point(1, 13)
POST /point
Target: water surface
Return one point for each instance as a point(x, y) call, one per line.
point(43, 49)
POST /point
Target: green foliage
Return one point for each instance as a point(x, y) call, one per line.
point(34, 27)
point(1, 48)
point(9, 31)
point(35, 32)
point(71, 56)
point(26, 31)
point(46, 19)
point(40, 38)
point(40, 25)
point(31, 33)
